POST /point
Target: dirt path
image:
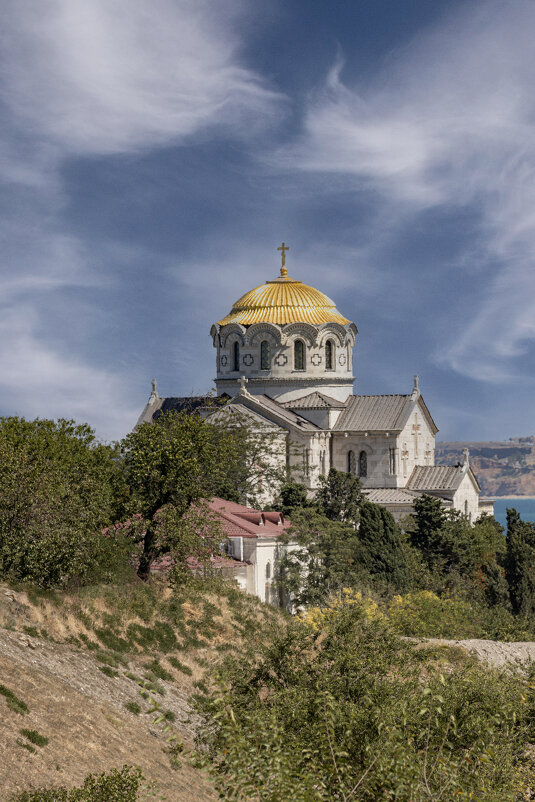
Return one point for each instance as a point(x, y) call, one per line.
point(495, 653)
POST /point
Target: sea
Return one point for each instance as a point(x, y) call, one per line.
point(524, 505)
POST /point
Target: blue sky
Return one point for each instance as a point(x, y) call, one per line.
point(154, 153)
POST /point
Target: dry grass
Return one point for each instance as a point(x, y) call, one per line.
point(81, 709)
point(85, 735)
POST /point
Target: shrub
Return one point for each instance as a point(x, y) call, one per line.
point(35, 737)
point(109, 672)
point(133, 707)
point(180, 666)
point(351, 711)
point(13, 702)
point(158, 670)
point(119, 785)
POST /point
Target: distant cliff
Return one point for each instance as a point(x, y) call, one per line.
point(503, 468)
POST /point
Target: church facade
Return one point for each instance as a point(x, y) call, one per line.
point(284, 358)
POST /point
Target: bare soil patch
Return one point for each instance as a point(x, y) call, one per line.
point(82, 713)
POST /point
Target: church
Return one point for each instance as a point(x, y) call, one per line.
point(284, 359)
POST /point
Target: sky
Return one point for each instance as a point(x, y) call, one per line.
point(154, 154)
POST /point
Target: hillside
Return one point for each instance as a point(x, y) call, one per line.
point(91, 668)
point(503, 468)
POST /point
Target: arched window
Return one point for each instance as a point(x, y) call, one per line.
point(329, 355)
point(351, 463)
point(363, 464)
point(268, 571)
point(236, 353)
point(265, 355)
point(299, 355)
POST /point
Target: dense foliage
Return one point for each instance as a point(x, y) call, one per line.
point(343, 541)
point(73, 509)
point(335, 705)
point(58, 488)
point(173, 463)
point(351, 712)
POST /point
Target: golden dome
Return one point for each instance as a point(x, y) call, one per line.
point(281, 301)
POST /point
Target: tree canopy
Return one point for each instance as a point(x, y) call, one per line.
point(58, 487)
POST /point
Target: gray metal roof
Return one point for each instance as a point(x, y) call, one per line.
point(436, 477)
point(371, 413)
point(390, 495)
point(276, 409)
point(314, 400)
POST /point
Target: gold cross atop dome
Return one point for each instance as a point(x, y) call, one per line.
point(283, 248)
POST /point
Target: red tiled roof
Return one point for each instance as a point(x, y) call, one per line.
point(241, 521)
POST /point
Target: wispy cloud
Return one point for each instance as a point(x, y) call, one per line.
point(449, 123)
point(105, 77)
point(42, 381)
point(77, 80)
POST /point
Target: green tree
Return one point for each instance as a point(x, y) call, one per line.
point(292, 496)
point(334, 554)
point(430, 517)
point(520, 563)
point(340, 496)
point(58, 488)
point(381, 546)
point(329, 556)
point(170, 465)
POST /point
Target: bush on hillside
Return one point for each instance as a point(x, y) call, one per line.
point(119, 785)
point(351, 712)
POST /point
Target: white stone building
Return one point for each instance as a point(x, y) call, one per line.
point(285, 358)
point(254, 544)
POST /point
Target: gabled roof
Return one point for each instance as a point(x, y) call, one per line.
point(274, 409)
point(241, 521)
point(243, 415)
point(439, 477)
point(314, 401)
point(371, 413)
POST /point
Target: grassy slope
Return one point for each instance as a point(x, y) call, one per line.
point(154, 647)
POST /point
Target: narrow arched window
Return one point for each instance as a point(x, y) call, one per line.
point(236, 352)
point(265, 355)
point(299, 355)
point(329, 355)
point(268, 571)
point(363, 464)
point(351, 463)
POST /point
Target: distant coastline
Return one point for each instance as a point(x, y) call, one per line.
point(511, 496)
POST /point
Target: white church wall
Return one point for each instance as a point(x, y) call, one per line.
point(320, 417)
point(308, 458)
point(263, 556)
point(378, 457)
point(416, 445)
point(466, 499)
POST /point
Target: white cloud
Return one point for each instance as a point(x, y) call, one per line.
point(41, 381)
point(96, 78)
point(450, 122)
point(106, 77)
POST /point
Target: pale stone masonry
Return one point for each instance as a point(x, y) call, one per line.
point(284, 357)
